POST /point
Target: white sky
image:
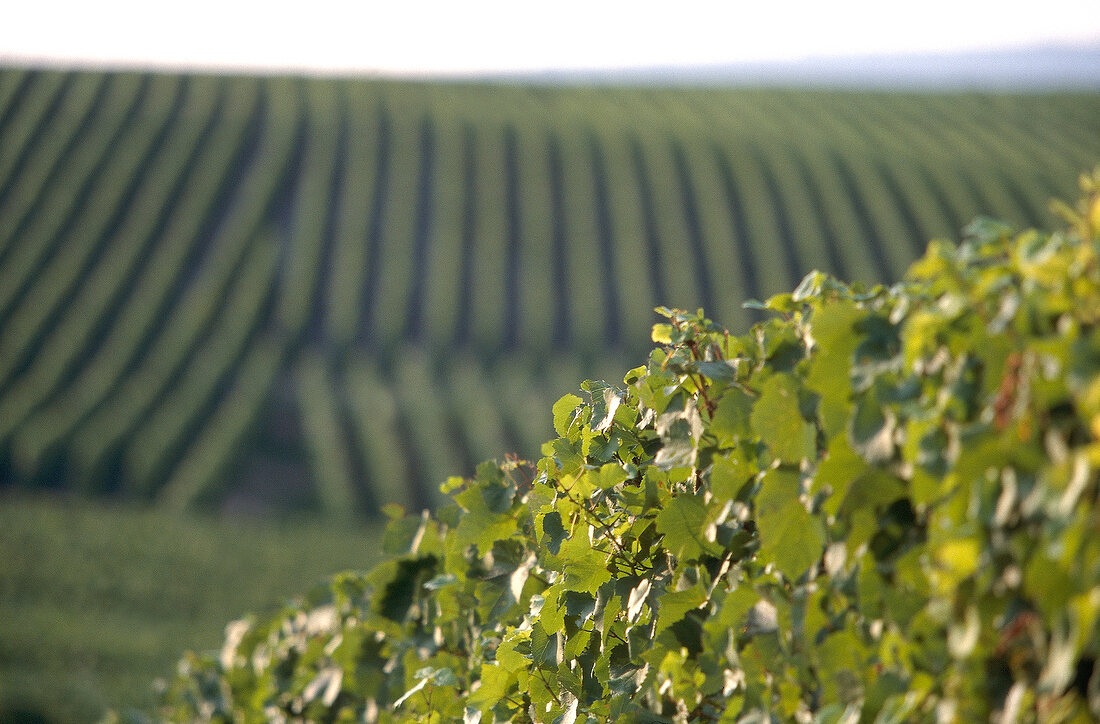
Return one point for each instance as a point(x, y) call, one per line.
point(470, 36)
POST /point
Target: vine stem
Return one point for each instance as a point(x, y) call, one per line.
point(699, 384)
point(591, 517)
point(726, 560)
point(538, 672)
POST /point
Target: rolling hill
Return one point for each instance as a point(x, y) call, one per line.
point(256, 292)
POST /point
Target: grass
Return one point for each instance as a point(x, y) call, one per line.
point(98, 600)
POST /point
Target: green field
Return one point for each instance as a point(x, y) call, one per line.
point(278, 292)
point(98, 600)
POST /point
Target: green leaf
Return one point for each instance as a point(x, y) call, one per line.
point(564, 413)
point(495, 681)
point(498, 498)
point(732, 610)
point(601, 448)
point(514, 651)
point(683, 522)
point(480, 525)
point(544, 646)
point(605, 402)
point(551, 615)
point(719, 370)
point(566, 454)
point(404, 535)
point(777, 419)
point(673, 605)
point(790, 537)
point(835, 343)
point(872, 430)
point(585, 567)
point(777, 489)
point(841, 654)
point(854, 483)
point(1045, 578)
point(607, 476)
point(553, 532)
point(729, 473)
point(679, 431)
point(836, 472)
point(662, 333)
point(731, 420)
point(569, 680)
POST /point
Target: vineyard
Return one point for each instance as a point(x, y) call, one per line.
point(322, 292)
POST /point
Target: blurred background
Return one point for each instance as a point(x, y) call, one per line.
point(263, 271)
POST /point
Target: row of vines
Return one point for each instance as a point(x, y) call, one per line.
point(242, 290)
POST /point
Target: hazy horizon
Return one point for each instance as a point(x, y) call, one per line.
point(491, 38)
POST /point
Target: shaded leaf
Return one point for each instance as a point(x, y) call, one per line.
point(872, 430)
point(679, 431)
point(553, 531)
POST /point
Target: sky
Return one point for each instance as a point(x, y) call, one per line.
point(471, 37)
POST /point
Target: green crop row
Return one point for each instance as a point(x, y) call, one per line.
point(191, 264)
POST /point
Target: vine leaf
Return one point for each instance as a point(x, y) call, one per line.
point(790, 537)
point(872, 430)
point(607, 476)
point(777, 420)
point(564, 413)
point(495, 680)
point(731, 419)
point(585, 566)
point(835, 341)
point(637, 599)
point(675, 605)
point(679, 431)
point(480, 525)
point(553, 532)
point(604, 406)
point(682, 521)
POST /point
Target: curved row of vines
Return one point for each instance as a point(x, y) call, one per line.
point(195, 266)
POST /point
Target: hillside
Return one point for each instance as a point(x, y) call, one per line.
point(260, 292)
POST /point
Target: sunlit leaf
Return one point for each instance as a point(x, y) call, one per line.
point(777, 419)
point(564, 410)
point(683, 522)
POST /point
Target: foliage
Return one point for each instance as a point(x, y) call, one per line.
point(878, 505)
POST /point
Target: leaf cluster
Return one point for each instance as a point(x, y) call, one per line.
point(879, 505)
